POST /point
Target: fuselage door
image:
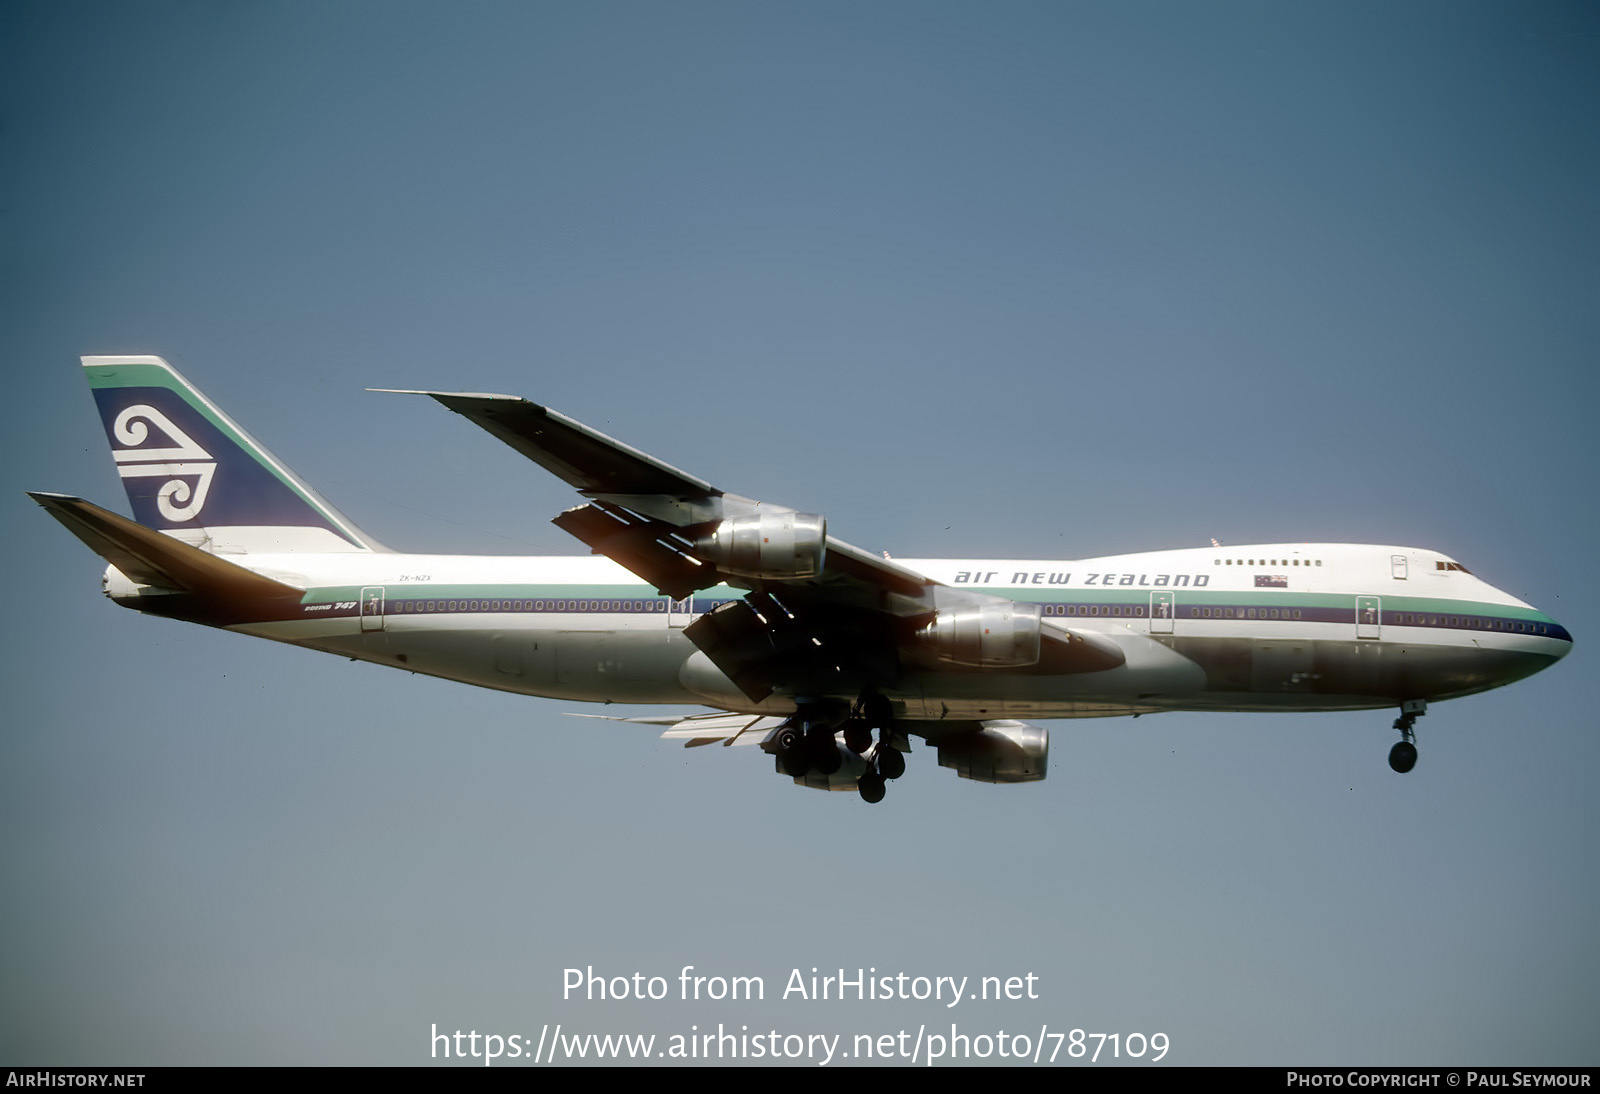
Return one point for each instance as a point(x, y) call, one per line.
point(1397, 567)
point(680, 613)
point(1163, 607)
point(1368, 613)
point(372, 608)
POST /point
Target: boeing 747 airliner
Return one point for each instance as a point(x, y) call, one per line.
point(828, 657)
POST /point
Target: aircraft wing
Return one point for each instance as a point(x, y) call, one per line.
point(608, 470)
point(579, 456)
point(821, 616)
point(696, 730)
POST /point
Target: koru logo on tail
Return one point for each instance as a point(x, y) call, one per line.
point(182, 460)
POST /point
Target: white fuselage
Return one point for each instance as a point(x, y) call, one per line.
point(1274, 627)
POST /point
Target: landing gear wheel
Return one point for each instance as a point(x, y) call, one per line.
point(872, 788)
point(794, 762)
point(824, 752)
point(1403, 757)
point(877, 711)
point(891, 762)
point(787, 738)
point(857, 737)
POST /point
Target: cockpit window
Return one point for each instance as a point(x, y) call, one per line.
point(1442, 565)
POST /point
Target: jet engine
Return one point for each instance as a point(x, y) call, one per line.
point(776, 546)
point(987, 636)
point(1000, 752)
point(851, 768)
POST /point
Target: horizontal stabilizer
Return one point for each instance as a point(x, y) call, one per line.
point(152, 558)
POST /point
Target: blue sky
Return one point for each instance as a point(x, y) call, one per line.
point(1026, 280)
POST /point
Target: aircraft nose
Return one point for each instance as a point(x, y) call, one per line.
point(1558, 640)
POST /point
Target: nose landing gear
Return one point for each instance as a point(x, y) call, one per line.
point(1403, 756)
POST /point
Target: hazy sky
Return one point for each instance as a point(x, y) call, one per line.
point(1033, 280)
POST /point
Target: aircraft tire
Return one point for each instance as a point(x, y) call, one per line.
point(857, 737)
point(872, 788)
point(1403, 757)
point(891, 762)
point(824, 753)
point(877, 711)
point(795, 762)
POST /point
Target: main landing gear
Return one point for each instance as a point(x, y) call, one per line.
point(1403, 756)
point(808, 745)
point(888, 762)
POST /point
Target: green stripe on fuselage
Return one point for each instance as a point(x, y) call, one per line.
point(1265, 598)
point(410, 591)
point(1186, 596)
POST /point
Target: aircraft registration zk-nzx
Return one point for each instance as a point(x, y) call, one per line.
point(827, 656)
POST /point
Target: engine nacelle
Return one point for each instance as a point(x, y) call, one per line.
point(777, 546)
point(988, 636)
point(1001, 752)
point(851, 768)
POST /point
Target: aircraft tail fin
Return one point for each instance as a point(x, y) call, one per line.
point(148, 557)
point(192, 472)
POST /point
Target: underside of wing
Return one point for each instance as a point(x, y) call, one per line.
point(706, 729)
